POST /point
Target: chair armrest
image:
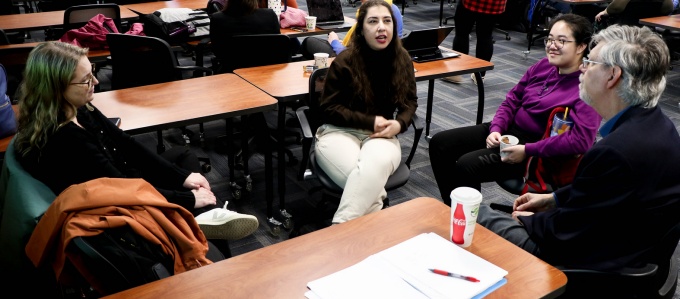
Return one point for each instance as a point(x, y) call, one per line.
point(305, 126)
point(207, 71)
point(646, 270)
point(417, 124)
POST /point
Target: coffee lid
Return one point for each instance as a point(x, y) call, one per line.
point(466, 195)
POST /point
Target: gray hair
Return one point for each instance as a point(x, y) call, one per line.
point(642, 56)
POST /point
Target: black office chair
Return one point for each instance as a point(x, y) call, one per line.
point(656, 279)
point(309, 117)
point(77, 16)
point(4, 40)
point(144, 60)
point(243, 51)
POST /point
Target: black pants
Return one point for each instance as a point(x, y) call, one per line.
point(459, 158)
point(183, 157)
point(484, 24)
point(313, 45)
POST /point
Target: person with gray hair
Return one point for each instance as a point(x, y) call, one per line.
point(626, 193)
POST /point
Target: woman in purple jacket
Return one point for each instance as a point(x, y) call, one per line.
point(469, 156)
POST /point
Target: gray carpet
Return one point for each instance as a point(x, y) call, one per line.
point(454, 106)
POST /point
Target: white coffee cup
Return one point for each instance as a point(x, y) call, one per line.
point(465, 203)
point(321, 60)
point(512, 140)
point(275, 5)
point(310, 22)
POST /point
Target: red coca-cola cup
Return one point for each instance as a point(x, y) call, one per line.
point(465, 203)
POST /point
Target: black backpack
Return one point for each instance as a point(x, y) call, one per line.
point(173, 32)
point(118, 259)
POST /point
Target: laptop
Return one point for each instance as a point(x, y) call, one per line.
point(423, 45)
point(328, 14)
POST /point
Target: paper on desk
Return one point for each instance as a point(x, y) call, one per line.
point(402, 271)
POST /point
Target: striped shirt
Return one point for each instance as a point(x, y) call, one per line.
point(492, 7)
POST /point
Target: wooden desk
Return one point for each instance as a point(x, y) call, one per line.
point(42, 20)
point(282, 270)
point(671, 22)
point(180, 103)
point(288, 82)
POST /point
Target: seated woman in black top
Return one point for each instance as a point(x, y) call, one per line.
point(63, 140)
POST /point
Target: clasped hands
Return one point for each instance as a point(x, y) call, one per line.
point(516, 153)
point(201, 189)
point(530, 203)
point(385, 128)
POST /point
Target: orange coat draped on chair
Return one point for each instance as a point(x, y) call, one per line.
point(89, 208)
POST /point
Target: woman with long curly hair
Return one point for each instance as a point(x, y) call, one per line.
point(357, 146)
point(64, 140)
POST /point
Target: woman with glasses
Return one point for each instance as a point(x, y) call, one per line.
point(469, 156)
point(63, 140)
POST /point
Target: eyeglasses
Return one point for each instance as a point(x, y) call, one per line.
point(559, 43)
point(586, 63)
point(89, 82)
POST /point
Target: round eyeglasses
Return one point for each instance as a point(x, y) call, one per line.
point(90, 81)
point(559, 43)
point(587, 62)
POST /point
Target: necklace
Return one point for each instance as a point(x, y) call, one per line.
point(542, 92)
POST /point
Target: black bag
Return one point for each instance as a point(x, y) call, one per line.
point(118, 259)
point(8, 121)
point(176, 31)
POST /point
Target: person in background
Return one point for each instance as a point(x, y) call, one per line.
point(468, 156)
point(639, 9)
point(289, 3)
point(333, 45)
point(243, 17)
point(357, 146)
point(483, 15)
point(626, 193)
point(63, 139)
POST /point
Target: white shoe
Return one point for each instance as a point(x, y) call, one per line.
point(454, 79)
point(474, 79)
point(221, 223)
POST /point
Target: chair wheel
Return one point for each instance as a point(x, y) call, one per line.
point(249, 183)
point(286, 219)
point(507, 37)
point(274, 227)
point(235, 190)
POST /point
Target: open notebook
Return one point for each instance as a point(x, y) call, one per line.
point(402, 271)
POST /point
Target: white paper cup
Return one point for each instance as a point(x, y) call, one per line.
point(512, 140)
point(465, 203)
point(321, 60)
point(310, 22)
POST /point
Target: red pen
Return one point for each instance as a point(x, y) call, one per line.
point(447, 273)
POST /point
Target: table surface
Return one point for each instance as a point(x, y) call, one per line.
point(41, 20)
point(180, 103)
point(671, 22)
point(288, 81)
point(283, 270)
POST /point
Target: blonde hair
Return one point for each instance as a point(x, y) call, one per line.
point(42, 106)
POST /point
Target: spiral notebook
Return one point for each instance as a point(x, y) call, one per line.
point(402, 271)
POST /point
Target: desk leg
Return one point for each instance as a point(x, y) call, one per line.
point(441, 17)
point(284, 216)
point(428, 114)
point(480, 101)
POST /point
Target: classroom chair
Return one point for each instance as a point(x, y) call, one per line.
point(310, 120)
